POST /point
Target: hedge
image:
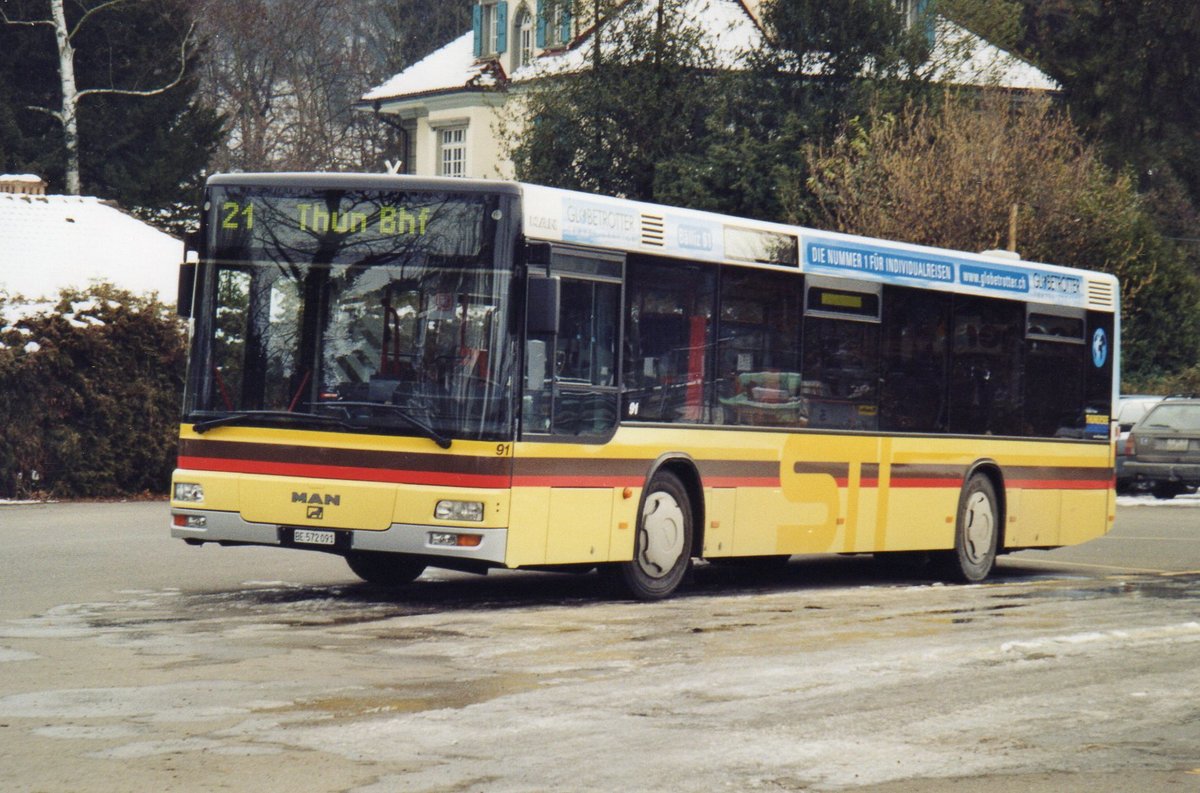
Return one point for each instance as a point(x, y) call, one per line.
point(90, 390)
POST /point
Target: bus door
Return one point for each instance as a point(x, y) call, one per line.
point(569, 408)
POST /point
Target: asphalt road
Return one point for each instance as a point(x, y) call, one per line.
point(130, 661)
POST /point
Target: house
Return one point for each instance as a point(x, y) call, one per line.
point(48, 242)
point(451, 106)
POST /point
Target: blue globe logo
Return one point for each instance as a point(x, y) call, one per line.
point(1099, 347)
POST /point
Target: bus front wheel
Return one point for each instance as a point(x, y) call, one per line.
point(976, 535)
point(384, 569)
point(662, 549)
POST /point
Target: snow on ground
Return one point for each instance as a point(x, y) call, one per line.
point(1191, 500)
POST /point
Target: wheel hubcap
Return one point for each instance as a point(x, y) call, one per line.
point(662, 534)
point(980, 527)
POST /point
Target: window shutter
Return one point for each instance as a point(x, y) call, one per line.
point(501, 27)
point(477, 28)
point(541, 23)
point(564, 35)
point(924, 17)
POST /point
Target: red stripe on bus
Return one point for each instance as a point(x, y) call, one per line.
point(572, 480)
point(347, 473)
point(1060, 484)
point(740, 481)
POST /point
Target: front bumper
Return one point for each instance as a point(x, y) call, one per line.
point(229, 528)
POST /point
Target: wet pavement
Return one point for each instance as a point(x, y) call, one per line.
point(198, 670)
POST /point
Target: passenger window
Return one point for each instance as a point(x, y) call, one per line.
point(841, 356)
point(985, 381)
point(916, 333)
point(841, 373)
point(1054, 389)
point(758, 349)
point(668, 347)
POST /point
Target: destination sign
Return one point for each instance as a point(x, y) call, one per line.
point(282, 224)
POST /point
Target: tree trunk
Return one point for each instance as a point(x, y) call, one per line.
point(70, 95)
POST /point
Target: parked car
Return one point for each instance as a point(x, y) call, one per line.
point(1162, 452)
point(1130, 409)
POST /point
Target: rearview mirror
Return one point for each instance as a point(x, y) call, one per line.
point(187, 275)
point(542, 306)
point(187, 286)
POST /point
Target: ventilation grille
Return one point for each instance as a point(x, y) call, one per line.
point(653, 231)
point(1100, 294)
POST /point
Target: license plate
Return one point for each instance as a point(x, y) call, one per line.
point(1174, 444)
point(310, 537)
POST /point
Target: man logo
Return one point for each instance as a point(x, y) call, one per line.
point(316, 513)
point(326, 499)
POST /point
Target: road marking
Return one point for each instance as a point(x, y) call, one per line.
point(1168, 539)
point(1081, 564)
point(1097, 566)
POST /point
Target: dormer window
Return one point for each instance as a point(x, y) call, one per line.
point(914, 11)
point(489, 21)
point(553, 23)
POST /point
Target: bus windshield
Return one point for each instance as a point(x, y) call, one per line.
point(359, 310)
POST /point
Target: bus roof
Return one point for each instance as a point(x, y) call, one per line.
point(556, 215)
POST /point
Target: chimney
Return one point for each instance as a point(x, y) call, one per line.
point(22, 184)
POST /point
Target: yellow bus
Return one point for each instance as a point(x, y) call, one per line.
point(413, 372)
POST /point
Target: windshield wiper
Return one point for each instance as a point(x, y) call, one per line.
point(428, 431)
point(253, 415)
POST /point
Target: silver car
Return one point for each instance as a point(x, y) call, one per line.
point(1130, 410)
point(1162, 452)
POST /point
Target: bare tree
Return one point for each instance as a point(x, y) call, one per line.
point(287, 75)
point(67, 113)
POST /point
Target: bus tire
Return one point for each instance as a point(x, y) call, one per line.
point(662, 546)
point(976, 534)
point(384, 569)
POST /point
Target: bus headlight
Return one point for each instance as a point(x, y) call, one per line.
point(459, 510)
point(189, 491)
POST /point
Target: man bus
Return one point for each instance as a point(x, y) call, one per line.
point(466, 374)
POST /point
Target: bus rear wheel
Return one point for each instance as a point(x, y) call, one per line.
point(384, 569)
point(662, 549)
point(976, 534)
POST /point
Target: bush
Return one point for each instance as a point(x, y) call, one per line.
point(90, 389)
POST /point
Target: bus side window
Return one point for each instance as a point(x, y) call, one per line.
point(916, 328)
point(1054, 388)
point(758, 349)
point(841, 373)
point(669, 367)
point(986, 392)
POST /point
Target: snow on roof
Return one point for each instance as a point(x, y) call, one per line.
point(959, 56)
point(51, 242)
point(28, 178)
point(453, 67)
point(730, 35)
point(962, 58)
